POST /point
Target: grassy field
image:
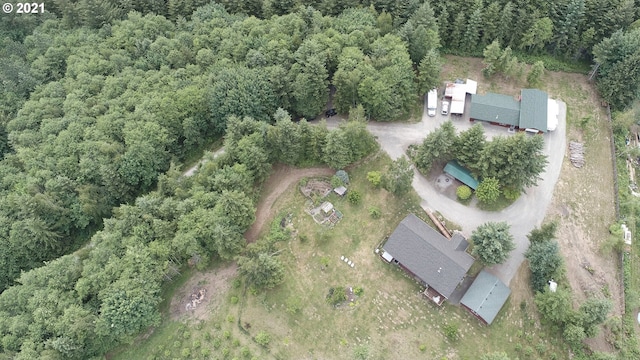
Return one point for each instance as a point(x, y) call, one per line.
point(388, 319)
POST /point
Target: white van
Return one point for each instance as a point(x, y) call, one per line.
point(432, 102)
point(445, 108)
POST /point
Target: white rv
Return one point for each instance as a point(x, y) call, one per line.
point(432, 102)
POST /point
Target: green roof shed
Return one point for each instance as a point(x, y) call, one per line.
point(485, 297)
point(533, 109)
point(461, 173)
point(496, 108)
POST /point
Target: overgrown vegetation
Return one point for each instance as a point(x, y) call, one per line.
point(115, 283)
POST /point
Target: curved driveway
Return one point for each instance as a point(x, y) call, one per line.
point(523, 215)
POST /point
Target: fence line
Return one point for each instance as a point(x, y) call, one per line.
point(616, 199)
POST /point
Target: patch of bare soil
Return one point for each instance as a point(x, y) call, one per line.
point(202, 294)
point(282, 176)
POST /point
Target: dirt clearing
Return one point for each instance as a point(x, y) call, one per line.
point(282, 176)
point(203, 293)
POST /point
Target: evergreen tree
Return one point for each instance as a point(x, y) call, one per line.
point(429, 72)
point(490, 24)
point(492, 243)
point(437, 146)
point(469, 145)
point(535, 74)
point(470, 41)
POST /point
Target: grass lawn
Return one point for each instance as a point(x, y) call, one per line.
point(389, 319)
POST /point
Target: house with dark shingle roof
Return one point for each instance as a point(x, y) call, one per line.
point(485, 297)
point(438, 263)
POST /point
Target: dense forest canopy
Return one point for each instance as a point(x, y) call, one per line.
point(99, 98)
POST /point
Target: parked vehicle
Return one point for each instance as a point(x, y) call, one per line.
point(445, 108)
point(432, 102)
point(331, 112)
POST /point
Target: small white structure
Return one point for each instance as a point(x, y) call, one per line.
point(626, 234)
point(387, 257)
point(552, 114)
point(341, 190)
point(458, 94)
point(553, 286)
point(326, 207)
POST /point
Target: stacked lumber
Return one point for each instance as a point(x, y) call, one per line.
point(576, 154)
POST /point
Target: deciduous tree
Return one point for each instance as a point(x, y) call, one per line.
point(399, 176)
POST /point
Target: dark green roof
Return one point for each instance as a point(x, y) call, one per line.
point(437, 261)
point(461, 173)
point(498, 108)
point(486, 296)
point(533, 109)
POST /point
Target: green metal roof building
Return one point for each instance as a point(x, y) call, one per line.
point(528, 113)
point(485, 297)
point(497, 108)
point(461, 173)
point(533, 109)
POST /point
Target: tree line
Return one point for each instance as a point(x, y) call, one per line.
point(108, 109)
point(83, 304)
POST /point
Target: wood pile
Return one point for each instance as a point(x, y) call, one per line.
point(576, 154)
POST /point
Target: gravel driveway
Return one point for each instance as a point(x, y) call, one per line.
point(523, 215)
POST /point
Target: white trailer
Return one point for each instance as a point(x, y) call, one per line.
point(432, 102)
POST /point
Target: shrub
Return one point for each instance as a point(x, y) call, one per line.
point(354, 197)
point(358, 290)
point(234, 300)
point(336, 295)
point(488, 191)
point(375, 212)
point(236, 283)
point(245, 352)
point(263, 338)
point(186, 353)
point(463, 192)
point(451, 332)
point(511, 194)
point(294, 304)
point(336, 181)
point(375, 178)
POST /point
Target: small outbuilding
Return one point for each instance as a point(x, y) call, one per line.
point(340, 190)
point(326, 207)
point(461, 173)
point(485, 297)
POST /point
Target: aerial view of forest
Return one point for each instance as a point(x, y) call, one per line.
point(192, 179)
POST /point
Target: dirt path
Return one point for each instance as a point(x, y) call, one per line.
point(282, 176)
